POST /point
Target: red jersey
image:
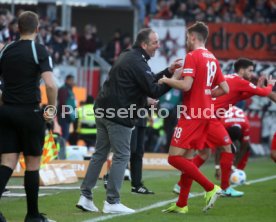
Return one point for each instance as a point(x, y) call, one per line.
point(205, 70)
point(236, 117)
point(239, 89)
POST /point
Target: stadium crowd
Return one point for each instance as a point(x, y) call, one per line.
point(65, 46)
point(244, 11)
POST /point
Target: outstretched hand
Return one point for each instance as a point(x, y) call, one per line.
point(178, 63)
point(271, 81)
point(261, 81)
point(162, 80)
point(178, 73)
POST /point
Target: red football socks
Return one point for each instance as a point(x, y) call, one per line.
point(189, 168)
point(226, 160)
point(186, 182)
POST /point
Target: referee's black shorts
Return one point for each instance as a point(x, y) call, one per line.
point(22, 129)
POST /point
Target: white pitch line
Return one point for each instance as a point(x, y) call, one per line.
point(163, 203)
point(262, 179)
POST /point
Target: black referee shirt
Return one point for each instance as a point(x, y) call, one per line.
point(20, 73)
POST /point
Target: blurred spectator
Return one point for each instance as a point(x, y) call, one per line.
point(4, 31)
point(43, 36)
point(70, 48)
point(145, 8)
point(164, 11)
point(272, 10)
point(57, 46)
point(13, 30)
point(127, 42)
point(87, 130)
point(74, 38)
point(113, 48)
point(89, 42)
point(66, 106)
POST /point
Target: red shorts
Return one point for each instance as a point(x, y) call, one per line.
point(273, 143)
point(190, 134)
point(199, 134)
point(217, 135)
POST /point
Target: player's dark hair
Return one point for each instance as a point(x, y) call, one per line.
point(200, 29)
point(242, 63)
point(143, 37)
point(27, 22)
point(235, 133)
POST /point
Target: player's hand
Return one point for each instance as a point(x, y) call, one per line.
point(49, 113)
point(162, 80)
point(271, 81)
point(178, 63)
point(217, 174)
point(178, 73)
point(152, 102)
point(261, 81)
point(48, 118)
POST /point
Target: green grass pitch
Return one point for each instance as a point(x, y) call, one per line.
point(258, 204)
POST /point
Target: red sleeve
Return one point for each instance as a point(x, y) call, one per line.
point(248, 87)
point(246, 95)
point(219, 77)
point(189, 66)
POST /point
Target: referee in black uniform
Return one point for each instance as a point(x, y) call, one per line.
point(22, 123)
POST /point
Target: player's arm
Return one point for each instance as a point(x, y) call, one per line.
point(51, 88)
point(217, 163)
point(221, 86)
point(170, 71)
point(184, 84)
point(248, 87)
point(188, 74)
point(272, 96)
point(45, 67)
point(244, 147)
point(222, 89)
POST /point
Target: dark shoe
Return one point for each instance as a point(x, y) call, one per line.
point(2, 218)
point(141, 190)
point(39, 218)
point(105, 179)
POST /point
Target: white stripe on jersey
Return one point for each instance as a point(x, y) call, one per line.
point(188, 70)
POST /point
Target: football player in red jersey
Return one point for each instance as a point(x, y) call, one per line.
point(237, 125)
point(240, 89)
point(240, 86)
point(201, 72)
